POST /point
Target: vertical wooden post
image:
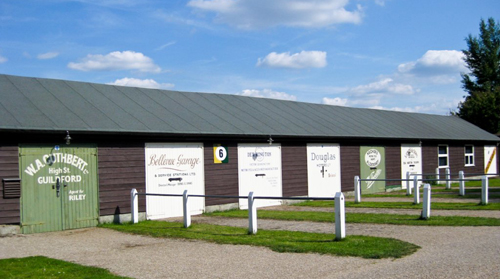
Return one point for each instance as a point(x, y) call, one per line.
point(408, 187)
point(252, 215)
point(185, 209)
point(426, 208)
point(339, 216)
point(484, 190)
point(357, 190)
point(461, 183)
point(448, 178)
point(416, 198)
point(134, 206)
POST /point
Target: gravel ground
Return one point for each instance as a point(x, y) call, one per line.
point(447, 252)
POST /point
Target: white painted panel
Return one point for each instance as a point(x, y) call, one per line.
point(411, 161)
point(323, 169)
point(490, 159)
point(172, 168)
point(259, 170)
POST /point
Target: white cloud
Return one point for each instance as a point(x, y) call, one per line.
point(165, 45)
point(304, 59)
point(48, 55)
point(145, 83)
point(435, 62)
point(267, 93)
point(383, 87)
point(117, 60)
point(335, 101)
point(3, 59)
point(258, 14)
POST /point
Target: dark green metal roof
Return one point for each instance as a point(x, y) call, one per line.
point(56, 105)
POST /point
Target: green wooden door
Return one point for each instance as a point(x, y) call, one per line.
point(372, 163)
point(58, 188)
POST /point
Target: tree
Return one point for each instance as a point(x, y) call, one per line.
point(482, 104)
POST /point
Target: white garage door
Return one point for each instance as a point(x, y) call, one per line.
point(411, 161)
point(172, 168)
point(323, 169)
point(259, 171)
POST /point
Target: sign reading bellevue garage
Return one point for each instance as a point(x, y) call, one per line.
point(172, 168)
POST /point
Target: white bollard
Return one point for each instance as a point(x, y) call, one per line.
point(426, 208)
point(484, 190)
point(461, 183)
point(339, 216)
point(408, 187)
point(416, 198)
point(134, 206)
point(252, 215)
point(437, 176)
point(448, 178)
point(357, 190)
point(185, 209)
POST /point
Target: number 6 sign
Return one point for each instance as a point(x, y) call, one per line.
point(220, 154)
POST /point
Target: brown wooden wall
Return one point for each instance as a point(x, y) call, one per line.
point(456, 159)
point(121, 168)
point(221, 179)
point(349, 166)
point(294, 170)
point(9, 168)
point(393, 164)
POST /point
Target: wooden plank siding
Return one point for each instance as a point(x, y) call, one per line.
point(393, 164)
point(456, 159)
point(120, 168)
point(294, 170)
point(10, 212)
point(349, 166)
point(221, 179)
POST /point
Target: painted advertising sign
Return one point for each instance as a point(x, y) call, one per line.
point(220, 154)
point(172, 168)
point(59, 188)
point(323, 169)
point(490, 159)
point(372, 166)
point(411, 161)
point(259, 170)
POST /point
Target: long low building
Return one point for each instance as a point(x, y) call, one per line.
point(70, 152)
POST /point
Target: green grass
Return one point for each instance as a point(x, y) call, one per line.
point(279, 241)
point(42, 267)
point(366, 218)
point(405, 205)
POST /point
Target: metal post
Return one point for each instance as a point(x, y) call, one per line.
point(339, 216)
point(461, 183)
point(437, 176)
point(357, 190)
point(134, 206)
point(408, 187)
point(484, 190)
point(448, 178)
point(185, 207)
point(426, 209)
point(252, 215)
point(416, 198)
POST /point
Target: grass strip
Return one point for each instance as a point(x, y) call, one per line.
point(363, 218)
point(43, 267)
point(279, 241)
point(405, 205)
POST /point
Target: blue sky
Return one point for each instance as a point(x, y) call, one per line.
point(385, 54)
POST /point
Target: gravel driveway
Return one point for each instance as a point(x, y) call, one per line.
point(447, 252)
